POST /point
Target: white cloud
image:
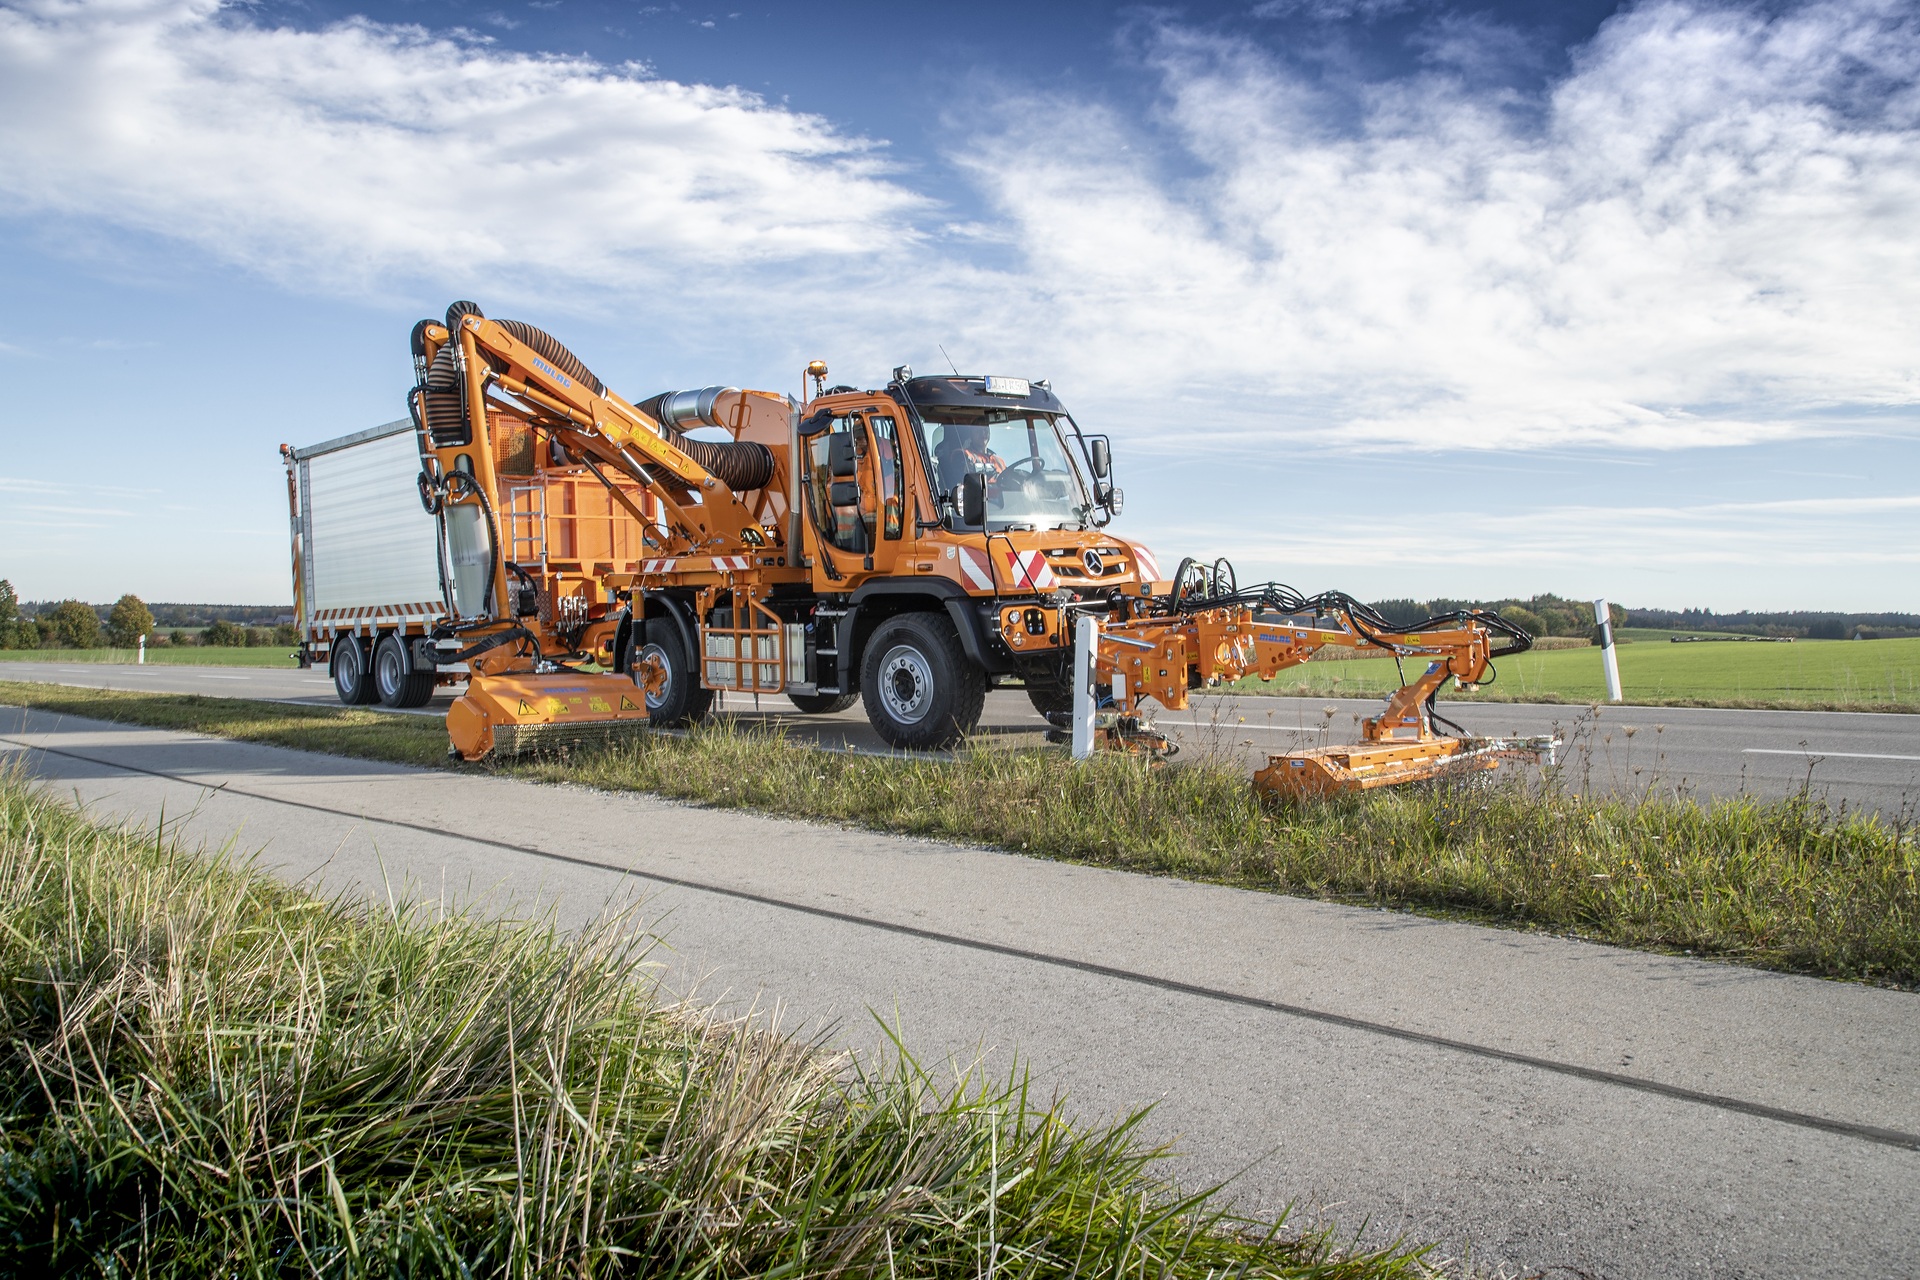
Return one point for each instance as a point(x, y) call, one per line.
point(1703, 234)
point(1792, 553)
point(1700, 235)
point(341, 158)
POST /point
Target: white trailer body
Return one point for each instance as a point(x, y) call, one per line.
point(366, 554)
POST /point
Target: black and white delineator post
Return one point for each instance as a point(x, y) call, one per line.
point(1603, 618)
point(1086, 642)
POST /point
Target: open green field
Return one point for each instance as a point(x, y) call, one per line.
point(193, 655)
point(1788, 884)
point(1851, 675)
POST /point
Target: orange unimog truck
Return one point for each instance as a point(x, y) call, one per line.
point(910, 544)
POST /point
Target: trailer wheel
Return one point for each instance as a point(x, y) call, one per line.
point(680, 700)
point(394, 678)
point(920, 689)
point(823, 704)
point(352, 678)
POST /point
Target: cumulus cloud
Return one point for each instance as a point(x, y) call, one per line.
point(1701, 234)
point(343, 156)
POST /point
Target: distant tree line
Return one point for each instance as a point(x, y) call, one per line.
point(1810, 624)
point(74, 624)
point(1551, 615)
point(1542, 615)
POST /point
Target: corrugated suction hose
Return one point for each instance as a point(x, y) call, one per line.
point(738, 465)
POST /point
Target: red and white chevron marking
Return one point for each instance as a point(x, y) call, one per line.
point(379, 612)
point(732, 562)
point(976, 568)
point(1029, 569)
point(657, 566)
point(1149, 567)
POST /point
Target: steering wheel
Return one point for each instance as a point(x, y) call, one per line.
point(1034, 464)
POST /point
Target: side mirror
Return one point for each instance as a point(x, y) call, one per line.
point(1102, 456)
point(844, 493)
point(1115, 500)
point(973, 500)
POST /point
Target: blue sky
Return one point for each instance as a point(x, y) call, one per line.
point(1401, 298)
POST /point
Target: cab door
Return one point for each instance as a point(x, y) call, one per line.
point(858, 494)
point(889, 513)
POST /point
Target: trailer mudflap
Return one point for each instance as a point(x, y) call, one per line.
point(1362, 766)
point(515, 714)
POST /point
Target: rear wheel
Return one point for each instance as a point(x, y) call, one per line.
point(352, 679)
point(395, 680)
point(1049, 688)
point(679, 700)
point(823, 704)
point(919, 687)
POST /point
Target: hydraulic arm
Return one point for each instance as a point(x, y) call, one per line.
point(1209, 632)
point(476, 375)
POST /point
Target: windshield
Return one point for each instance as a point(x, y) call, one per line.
point(1031, 483)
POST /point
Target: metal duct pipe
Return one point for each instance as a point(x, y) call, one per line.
point(693, 408)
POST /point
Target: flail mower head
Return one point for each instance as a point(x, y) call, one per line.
point(520, 713)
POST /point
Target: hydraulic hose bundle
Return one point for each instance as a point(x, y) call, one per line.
point(1198, 587)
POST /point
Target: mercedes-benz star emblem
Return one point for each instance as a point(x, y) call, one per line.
point(1091, 558)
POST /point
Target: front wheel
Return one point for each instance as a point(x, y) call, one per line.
point(920, 689)
point(679, 700)
point(822, 704)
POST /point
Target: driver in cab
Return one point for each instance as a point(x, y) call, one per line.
point(963, 451)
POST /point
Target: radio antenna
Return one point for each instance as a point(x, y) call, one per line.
point(950, 364)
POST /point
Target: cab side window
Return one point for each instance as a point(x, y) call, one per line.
point(834, 467)
point(886, 458)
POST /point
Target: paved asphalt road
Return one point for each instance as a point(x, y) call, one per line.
point(1866, 760)
point(1540, 1102)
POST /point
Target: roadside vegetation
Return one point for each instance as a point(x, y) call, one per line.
point(1813, 675)
point(1792, 884)
point(165, 655)
point(74, 631)
point(206, 1072)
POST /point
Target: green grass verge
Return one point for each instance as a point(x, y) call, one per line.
point(1787, 884)
point(190, 656)
point(1815, 675)
point(205, 1072)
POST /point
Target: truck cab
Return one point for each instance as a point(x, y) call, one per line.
point(944, 521)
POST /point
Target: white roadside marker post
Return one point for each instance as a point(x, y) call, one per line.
point(1603, 618)
point(1086, 639)
point(141, 661)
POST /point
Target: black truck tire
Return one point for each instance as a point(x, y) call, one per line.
point(920, 688)
point(395, 681)
point(683, 701)
point(352, 673)
point(1049, 688)
point(823, 704)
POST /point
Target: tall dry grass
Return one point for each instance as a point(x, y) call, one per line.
point(206, 1073)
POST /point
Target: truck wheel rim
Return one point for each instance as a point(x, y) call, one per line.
point(665, 696)
point(906, 684)
point(387, 667)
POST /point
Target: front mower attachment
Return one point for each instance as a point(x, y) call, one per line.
point(520, 713)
